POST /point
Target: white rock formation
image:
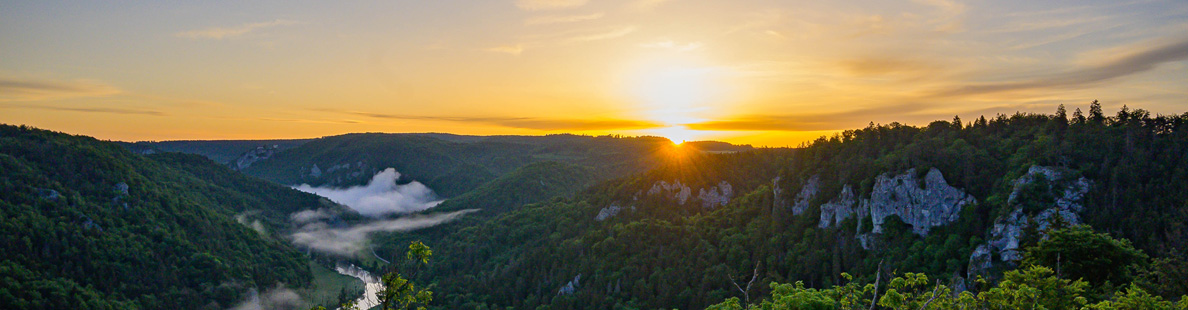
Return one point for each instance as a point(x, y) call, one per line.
point(1008, 229)
point(716, 196)
point(934, 204)
point(609, 212)
point(674, 190)
point(839, 209)
point(710, 197)
point(806, 195)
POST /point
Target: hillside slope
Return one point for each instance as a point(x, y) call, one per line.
point(954, 200)
point(89, 225)
point(451, 165)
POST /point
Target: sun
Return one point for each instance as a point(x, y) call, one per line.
point(676, 93)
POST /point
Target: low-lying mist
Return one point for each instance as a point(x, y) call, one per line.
point(347, 241)
point(381, 196)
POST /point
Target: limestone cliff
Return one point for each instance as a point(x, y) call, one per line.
point(710, 197)
point(1066, 194)
point(922, 203)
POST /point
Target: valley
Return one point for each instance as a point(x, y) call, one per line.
point(579, 222)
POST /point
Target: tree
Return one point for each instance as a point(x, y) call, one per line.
point(401, 293)
point(1081, 253)
point(1095, 113)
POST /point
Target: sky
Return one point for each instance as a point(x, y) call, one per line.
point(767, 73)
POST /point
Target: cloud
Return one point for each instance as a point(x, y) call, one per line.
point(507, 49)
point(14, 89)
point(276, 298)
point(558, 19)
point(1127, 64)
point(816, 121)
point(86, 109)
point(881, 65)
point(348, 241)
point(669, 44)
point(380, 196)
point(219, 33)
point(254, 224)
point(537, 5)
point(602, 35)
point(527, 122)
point(949, 19)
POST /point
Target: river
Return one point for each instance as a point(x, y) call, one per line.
point(372, 285)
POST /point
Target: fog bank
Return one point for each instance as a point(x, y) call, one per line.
point(380, 196)
point(346, 241)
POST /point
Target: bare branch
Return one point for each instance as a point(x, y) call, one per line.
point(878, 276)
point(935, 292)
point(746, 292)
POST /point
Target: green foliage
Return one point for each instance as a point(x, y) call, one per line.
point(1081, 253)
point(89, 224)
point(400, 293)
point(452, 165)
point(669, 255)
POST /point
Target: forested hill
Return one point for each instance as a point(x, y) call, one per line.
point(956, 200)
point(89, 225)
point(451, 165)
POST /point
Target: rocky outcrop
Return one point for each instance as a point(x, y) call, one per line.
point(674, 190)
point(121, 188)
point(315, 172)
point(570, 287)
point(711, 197)
point(839, 209)
point(250, 157)
point(48, 194)
point(609, 212)
point(121, 191)
point(806, 195)
point(1067, 194)
point(716, 196)
point(922, 203)
point(933, 204)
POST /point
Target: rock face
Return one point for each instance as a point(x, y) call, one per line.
point(674, 190)
point(570, 287)
point(250, 157)
point(806, 195)
point(1067, 194)
point(839, 209)
point(711, 197)
point(609, 212)
point(48, 194)
point(934, 204)
point(716, 196)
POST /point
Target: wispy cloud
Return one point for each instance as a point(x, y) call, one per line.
point(884, 65)
point(950, 17)
point(347, 241)
point(813, 121)
point(557, 19)
point(1128, 64)
point(528, 122)
point(86, 109)
point(507, 49)
point(615, 33)
point(537, 5)
point(219, 33)
point(16, 89)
